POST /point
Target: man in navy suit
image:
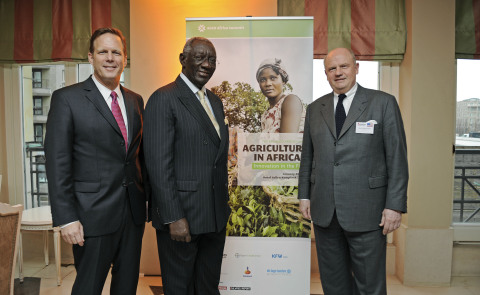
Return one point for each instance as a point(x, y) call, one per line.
point(353, 178)
point(186, 142)
point(94, 169)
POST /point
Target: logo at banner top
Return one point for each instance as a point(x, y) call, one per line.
point(201, 28)
point(247, 271)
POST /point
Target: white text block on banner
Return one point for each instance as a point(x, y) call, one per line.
point(270, 159)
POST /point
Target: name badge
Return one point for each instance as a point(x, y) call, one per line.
point(365, 127)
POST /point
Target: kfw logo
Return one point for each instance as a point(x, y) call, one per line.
point(277, 255)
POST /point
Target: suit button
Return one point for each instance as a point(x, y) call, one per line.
point(124, 184)
point(336, 164)
point(335, 143)
point(122, 143)
point(205, 141)
point(215, 167)
point(213, 187)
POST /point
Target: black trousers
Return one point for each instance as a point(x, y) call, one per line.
point(351, 262)
point(121, 250)
point(191, 268)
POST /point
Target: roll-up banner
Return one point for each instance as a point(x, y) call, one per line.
point(264, 78)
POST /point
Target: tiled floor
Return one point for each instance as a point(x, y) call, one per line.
point(35, 268)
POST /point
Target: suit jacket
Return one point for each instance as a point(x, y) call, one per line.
point(90, 175)
point(358, 175)
point(186, 160)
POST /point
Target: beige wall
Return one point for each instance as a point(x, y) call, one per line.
point(427, 100)
point(3, 139)
point(431, 94)
point(157, 34)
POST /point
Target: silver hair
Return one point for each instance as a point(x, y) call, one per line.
point(188, 45)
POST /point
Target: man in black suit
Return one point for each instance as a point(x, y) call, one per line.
point(353, 178)
point(186, 142)
point(94, 169)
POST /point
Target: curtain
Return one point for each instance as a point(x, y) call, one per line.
point(56, 30)
point(467, 29)
point(373, 29)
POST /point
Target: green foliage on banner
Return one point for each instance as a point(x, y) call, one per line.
point(253, 216)
point(242, 104)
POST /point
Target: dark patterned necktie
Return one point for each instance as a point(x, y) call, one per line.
point(340, 114)
point(117, 113)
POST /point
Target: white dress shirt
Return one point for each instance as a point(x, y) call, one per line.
point(195, 90)
point(347, 101)
point(105, 92)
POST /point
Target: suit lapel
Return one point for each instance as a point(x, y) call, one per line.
point(129, 108)
point(96, 98)
point(190, 101)
point(326, 109)
point(218, 113)
point(359, 105)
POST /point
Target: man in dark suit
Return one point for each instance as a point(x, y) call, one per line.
point(353, 178)
point(94, 169)
point(186, 142)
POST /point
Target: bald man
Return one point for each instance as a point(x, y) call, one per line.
point(353, 178)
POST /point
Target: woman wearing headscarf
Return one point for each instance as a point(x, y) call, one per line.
point(286, 113)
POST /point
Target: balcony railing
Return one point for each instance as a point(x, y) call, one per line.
point(466, 201)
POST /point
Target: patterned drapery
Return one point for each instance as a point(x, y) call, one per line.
point(56, 30)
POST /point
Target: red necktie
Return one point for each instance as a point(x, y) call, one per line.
point(117, 113)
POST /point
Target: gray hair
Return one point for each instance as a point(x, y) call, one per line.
point(188, 45)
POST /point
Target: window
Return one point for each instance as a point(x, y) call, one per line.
point(38, 132)
point(466, 191)
point(36, 102)
point(37, 78)
point(37, 105)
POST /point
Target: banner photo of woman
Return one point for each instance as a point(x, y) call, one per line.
point(264, 79)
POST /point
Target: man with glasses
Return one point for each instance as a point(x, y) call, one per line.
point(186, 143)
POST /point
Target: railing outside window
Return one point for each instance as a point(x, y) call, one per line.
point(466, 201)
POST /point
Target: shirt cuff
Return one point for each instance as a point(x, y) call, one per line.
point(65, 225)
